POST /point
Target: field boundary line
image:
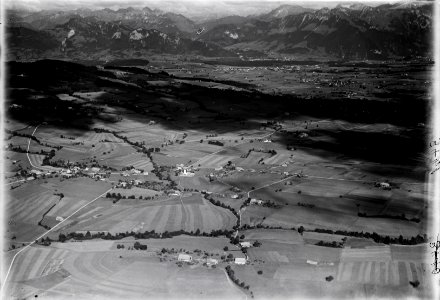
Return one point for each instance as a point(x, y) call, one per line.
point(29, 144)
point(223, 148)
point(22, 180)
point(5, 281)
point(234, 285)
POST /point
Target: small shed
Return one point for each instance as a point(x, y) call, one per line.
point(245, 244)
point(312, 262)
point(184, 257)
point(240, 261)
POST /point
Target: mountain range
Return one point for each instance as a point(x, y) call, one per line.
point(353, 31)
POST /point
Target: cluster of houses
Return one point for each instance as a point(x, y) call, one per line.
point(134, 172)
point(383, 185)
point(184, 171)
point(182, 257)
point(188, 258)
point(124, 184)
point(256, 201)
point(94, 172)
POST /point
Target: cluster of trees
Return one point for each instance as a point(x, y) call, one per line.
point(246, 203)
point(21, 134)
point(270, 204)
point(120, 246)
point(118, 196)
point(44, 241)
point(32, 137)
point(154, 185)
point(139, 246)
point(66, 137)
point(333, 244)
point(306, 205)
point(217, 143)
point(260, 226)
point(415, 283)
point(220, 204)
point(141, 235)
point(397, 217)
point(18, 149)
point(45, 226)
point(271, 124)
point(140, 145)
point(231, 275)
point(419, 239)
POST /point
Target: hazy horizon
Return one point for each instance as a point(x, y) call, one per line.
point(198, 9)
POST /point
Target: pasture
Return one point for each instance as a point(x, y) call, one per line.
point(163, 214)
point(64, 270)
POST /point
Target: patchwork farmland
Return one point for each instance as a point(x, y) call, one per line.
point(159, 181)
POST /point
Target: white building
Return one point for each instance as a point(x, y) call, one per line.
point(256, 201)
point(211, 261)
point(384, 185)
point(184, 257)
point(312, 262)
point(60, 219)
point(36, 172)
point(185, 173)
point(240, 261)
point(175, 193)
point(245, 244)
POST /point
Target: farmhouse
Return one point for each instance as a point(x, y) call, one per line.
point(312, 262)
point(185, 173)
point(60, 219)
point(240, 261)
point(256, 201)
point(36, 172)
point(211, 261)
point(235, 196)
point(184, 257)
point(174, 193)
point(245, 244)
point(384, 185)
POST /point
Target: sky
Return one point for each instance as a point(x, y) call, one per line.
point(189, 8)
